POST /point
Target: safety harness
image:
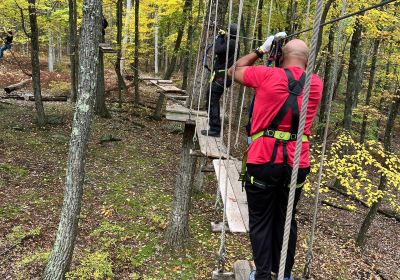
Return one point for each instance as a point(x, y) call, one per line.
point(295, 89)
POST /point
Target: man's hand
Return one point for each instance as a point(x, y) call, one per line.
point(221, 33)
point(266, 47)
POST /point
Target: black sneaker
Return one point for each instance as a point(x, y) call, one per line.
point(211, 133)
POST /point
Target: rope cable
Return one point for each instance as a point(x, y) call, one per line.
point(309, 256)
point(197, 63)
point(203, 70)
point(218, 197)
point(222, 252)
point(299, 142)
point(212, 69)
point(245, 88)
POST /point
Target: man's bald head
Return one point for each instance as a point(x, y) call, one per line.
point(295, 53)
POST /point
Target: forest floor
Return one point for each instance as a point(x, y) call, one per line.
point(127, 199)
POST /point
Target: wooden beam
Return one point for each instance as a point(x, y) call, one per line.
point(242, 270)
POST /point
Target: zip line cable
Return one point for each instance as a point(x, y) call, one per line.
point(359, 12)
point(346, 16)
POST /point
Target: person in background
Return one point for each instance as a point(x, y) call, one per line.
point(7, 43)
point(218, 77)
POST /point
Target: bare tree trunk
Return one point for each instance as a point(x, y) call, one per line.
point(121, 82)
point(73, 17)
point(323, 19)
point(370, 88)
point(136, 63)
point(177, 232)
point(156, 51)
point(386, 87)
point(100, 107)
point(187, 61)
point(36, 63)
point(352, 75)
point(50, 52)
point(61, 255)
point(327, 80)
point(171, 67)
point(394, 111)
point(126, 33)
point(260, 22)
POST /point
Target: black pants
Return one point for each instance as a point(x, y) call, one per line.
point(267, 213)
point(217, 90)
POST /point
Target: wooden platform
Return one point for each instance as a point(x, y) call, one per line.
point(236, 205)
point(106, 48)
point(179, 113)
point(212, 147)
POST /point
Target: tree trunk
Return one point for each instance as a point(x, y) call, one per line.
point(352, 75)
point(370, 88)
point(156, 51)
point(359, 75)
point(37, 91)
point(50, 52)
point(121, 82)
point(126, 33)
point(327, 80)
point(177, 232)
point(136, 63)
point(171, 67)
point(394, 111)
point(323, 19)
point(74, 61)
point(100, 107)
point(187, 61)
point(382, 99)
point(260, 22)
point(61, 255)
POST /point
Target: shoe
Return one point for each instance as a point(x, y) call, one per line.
point(211, 133)
point(252, 275)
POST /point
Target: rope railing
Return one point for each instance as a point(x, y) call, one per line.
point(299, 142)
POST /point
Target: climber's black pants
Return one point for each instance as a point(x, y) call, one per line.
point(267, 214)
point(217, 90)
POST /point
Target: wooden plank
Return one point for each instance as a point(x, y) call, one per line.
point(106, 48)
point(177, 97)
point(240, 194)
point(233, 215)
point(179, 113)
point(210, 146)
point(242, 270)
point(147, 78)
point(164, 82)
point(169, 88)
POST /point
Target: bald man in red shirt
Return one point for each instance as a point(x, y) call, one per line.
point(274, 125)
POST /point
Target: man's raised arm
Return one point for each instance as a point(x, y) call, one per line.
point(249, 60)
